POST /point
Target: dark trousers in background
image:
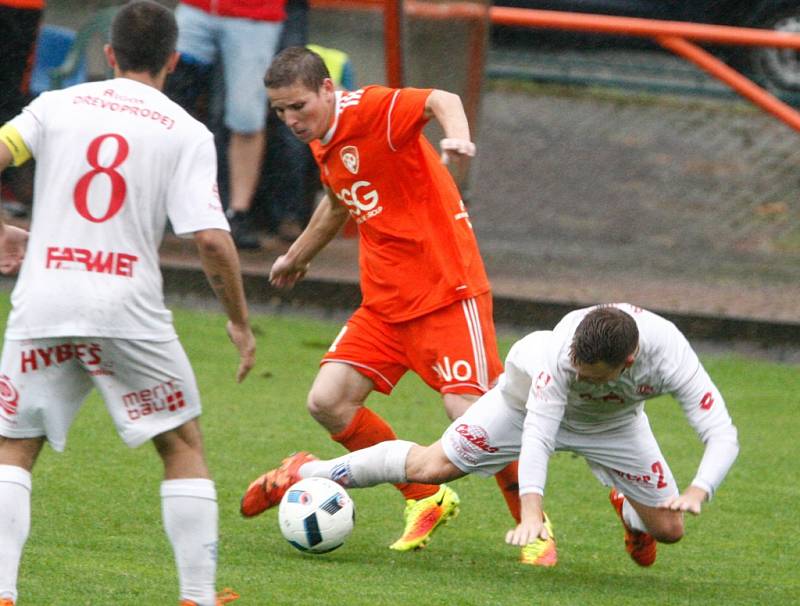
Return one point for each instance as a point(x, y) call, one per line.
point(20, 29)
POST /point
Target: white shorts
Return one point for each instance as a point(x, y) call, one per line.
point(487, 437)
point(148, 386)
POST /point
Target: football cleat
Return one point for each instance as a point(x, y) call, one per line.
point(267, 490)
point(542, 552)
point(641, 546)
point(424, 516)
point(225, 596)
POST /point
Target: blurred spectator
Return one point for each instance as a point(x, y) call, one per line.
point(285, 194)
point(243, 35)
point(290, 179)
point(19, 24)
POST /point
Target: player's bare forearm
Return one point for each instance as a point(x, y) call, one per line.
point(221, 265)
point(13, 242)
point(449, 112)
point(5, 162)
point(325, 223)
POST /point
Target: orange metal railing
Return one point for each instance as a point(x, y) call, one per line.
point(676, 36)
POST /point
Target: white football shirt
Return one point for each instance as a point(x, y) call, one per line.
point(539, 377)
point(114, 160)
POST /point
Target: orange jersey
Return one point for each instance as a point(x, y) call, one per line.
point(417, 249)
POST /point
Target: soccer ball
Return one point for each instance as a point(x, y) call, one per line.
point(316, 515)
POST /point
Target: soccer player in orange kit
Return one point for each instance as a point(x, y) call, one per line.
point(427, 303)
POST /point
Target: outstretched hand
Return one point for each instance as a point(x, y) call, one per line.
point(456, 148)
point(527, 532)
point(690, 501)
point(244, 340)
point(13, 241)
point(285, 273)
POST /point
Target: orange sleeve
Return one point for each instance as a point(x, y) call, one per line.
point(406, 116)
point(396, 113)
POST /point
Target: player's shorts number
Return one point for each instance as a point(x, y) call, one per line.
point(118, 186)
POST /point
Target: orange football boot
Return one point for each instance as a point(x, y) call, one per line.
point(225, 596)
point(267, 490)
point(641, 546)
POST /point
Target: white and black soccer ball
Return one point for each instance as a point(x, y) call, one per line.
point(316, 515)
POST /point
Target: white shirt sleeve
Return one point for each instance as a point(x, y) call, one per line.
point(193, 203)
point(546, 403)
point(29, 123)
point(704, 408)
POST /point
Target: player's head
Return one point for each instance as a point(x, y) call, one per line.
point(604, 344)
point(301, 92)
point(297, 64)
point(143, 37)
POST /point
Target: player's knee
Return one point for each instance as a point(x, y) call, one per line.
point(322, 402)
point(429, 465)
point(331, 408)
point(670, 530)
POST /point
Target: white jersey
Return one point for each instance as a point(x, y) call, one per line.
point(539, 377)
point(114, 160)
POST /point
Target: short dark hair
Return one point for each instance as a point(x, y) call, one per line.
point(606, 334)
point(297, 63)
point(143, 36)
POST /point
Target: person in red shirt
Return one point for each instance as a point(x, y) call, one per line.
point(242, 35)
point(427, 304)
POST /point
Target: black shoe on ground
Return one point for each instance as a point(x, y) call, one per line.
point(243, 235)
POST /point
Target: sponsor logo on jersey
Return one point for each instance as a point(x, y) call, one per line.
point(88, 354)
point(349, 156)
point(163, 397)
point(125, 108)
point(636, 478)
point(542, 380)
point(476, 435)
point(645, 390)
point(707, 401)
point(83, 259)
point(459, 370)
point(607, 397)
point(9, 397)
point(361, 200)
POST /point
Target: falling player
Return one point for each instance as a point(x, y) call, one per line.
point(581, 388)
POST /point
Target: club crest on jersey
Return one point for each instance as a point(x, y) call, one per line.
point(349, 156)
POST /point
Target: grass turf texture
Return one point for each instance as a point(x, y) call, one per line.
point(97, 538)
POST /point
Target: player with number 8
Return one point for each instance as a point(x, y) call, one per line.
point(115, 160)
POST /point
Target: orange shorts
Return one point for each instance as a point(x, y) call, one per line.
point(453, 349)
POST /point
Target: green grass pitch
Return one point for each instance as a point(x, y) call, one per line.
point(97, 539)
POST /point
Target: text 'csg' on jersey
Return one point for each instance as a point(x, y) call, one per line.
point(361, 200)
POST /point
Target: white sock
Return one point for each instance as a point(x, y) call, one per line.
point(15, 523)
point(632, 518)
point(189, 510)
point(384, 462)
